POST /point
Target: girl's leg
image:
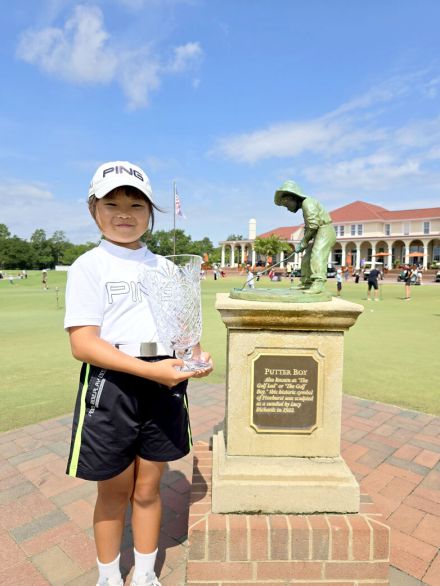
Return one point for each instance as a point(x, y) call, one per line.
point(109, 515)
point(146, 505)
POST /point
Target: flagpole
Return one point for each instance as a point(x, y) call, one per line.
point(174, 215)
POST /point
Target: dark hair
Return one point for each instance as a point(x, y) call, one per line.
point(130, 192)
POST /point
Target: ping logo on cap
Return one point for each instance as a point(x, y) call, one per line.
point(119, 170)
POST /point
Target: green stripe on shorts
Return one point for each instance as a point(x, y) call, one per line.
point(82, 412)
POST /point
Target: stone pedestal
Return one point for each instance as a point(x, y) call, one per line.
point(281, 448)
point(270, 550)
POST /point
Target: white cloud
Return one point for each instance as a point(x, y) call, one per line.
point(83, 52)
point(361, 147)
point(391, 89)
point(184, 57)
point(419, 134)
point(19, 192)
point(140, 4)
point(26, 208)
point(324, 135)
point(139, 81)
point(433, 153)
point(352, 125)
point(281, 140)
point(78, 52)
point(431, 87)
point(374, 172)
point(29, 205)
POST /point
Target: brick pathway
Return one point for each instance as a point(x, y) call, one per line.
point(46, 517)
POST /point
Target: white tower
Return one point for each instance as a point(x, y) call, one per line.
point(252, 229)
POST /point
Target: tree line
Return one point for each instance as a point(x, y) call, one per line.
point(42, 252)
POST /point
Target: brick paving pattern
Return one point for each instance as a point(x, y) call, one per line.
point(46, 532)
point(275, 548)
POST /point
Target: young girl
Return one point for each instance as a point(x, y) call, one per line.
point(128, 422)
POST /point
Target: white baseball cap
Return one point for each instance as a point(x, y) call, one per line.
point(117, 174)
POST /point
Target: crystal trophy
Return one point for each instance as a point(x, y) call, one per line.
point(174, 296)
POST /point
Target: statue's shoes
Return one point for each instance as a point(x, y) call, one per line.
point(317, 287)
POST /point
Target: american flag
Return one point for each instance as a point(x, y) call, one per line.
point(177, 204)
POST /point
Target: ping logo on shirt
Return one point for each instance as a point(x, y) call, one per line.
point(115, 288)
point(119, 170)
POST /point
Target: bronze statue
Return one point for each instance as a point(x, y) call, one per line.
point(318, 240)
point(319, 235)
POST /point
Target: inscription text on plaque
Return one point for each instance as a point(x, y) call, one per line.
point(284, 393)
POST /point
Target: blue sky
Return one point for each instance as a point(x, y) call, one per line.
point(226, 97)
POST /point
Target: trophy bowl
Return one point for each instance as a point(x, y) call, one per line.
point(174, 295)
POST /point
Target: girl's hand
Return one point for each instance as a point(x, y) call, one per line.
point(204, 357)
point(166, 373)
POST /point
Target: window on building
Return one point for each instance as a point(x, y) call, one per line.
point(360, 229)
point(387, 229)
point(341, 230)
point(353, 230)
point(406, 228)
point(426, 227)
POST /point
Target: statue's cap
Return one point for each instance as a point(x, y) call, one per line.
point(289, 187)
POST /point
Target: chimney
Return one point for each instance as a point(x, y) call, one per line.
point(252, 229)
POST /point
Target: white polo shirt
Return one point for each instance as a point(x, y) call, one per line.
point(104, 289)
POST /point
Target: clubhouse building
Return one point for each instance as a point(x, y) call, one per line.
point(364, 232)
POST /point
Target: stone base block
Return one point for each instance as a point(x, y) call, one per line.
point(269, 550)
point(254, 484)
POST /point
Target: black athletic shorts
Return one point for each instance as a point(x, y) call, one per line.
point(119, 416)
point(372, 284)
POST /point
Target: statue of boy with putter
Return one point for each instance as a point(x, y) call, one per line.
point(319, 235)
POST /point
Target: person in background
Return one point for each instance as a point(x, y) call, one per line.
point(250, 278)
point(339, 281)
point(408, 275)
point(373, 284)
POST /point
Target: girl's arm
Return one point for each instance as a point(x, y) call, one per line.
point(88, 347)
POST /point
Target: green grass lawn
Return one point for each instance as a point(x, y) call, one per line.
point(391, 354)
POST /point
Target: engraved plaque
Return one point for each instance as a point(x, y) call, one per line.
point(284, 393)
